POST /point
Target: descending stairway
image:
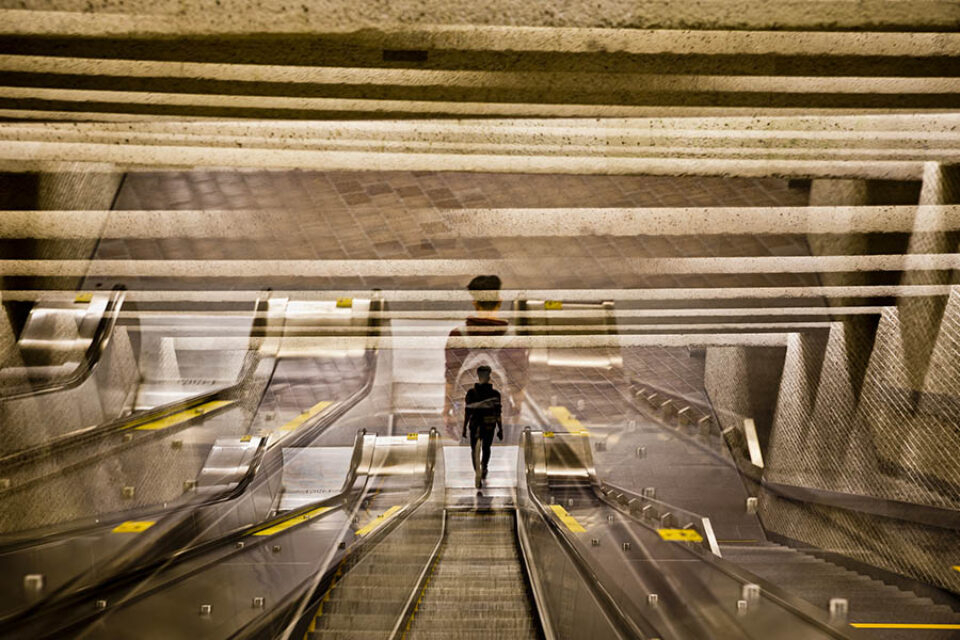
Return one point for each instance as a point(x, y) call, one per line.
point(870, 600)
point(477, 589)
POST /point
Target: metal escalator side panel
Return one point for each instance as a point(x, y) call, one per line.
point(295, 616)
point(104, 313)
point(569, 597)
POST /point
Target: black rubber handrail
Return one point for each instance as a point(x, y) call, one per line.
point(256, 472)
point(51, 605)
point(616, 616)
point(279, 623)
point(87, 364)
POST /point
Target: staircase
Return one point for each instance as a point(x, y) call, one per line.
point(477, 589)
point(869, 600)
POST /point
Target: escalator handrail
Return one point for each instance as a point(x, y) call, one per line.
point(399, 627)
point(305, 433)
point(533, 574)
point(618, 619)
point(87, 364)
point(321, 421)
point(709, 537)
point(312, 588)
point(335, 503)
point(780, 597)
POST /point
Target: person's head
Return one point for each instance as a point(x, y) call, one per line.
point(486, 293)
point(483, 374)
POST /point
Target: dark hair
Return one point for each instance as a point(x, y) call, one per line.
point(482, 287)
point(483, 370)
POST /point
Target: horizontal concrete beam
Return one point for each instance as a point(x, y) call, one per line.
point(925, 127)
point(545, 81)
point(469, 267)
point(135, 224)
point(36, 156)
point(471, 25)
point(659, 221)
point(589, 138)
point(684, 221)
point(462, 297)
point(831, 122)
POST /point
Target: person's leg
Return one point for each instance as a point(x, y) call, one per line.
point(487, 441)
point(477, 468)
point(474, 437)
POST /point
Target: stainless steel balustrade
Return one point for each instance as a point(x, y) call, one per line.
point(52, 361)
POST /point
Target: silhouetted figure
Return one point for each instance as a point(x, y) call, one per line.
point(482, 416)
point(509, 364)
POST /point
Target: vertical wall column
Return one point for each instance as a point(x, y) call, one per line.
point(742, 384)
point(859, 331)
point(920, 316)
point(74, 186)
point(8, 341)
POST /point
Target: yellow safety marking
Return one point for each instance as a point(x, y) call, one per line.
point(245, 438)
point(379, 520)
point(566, 419)
point(549, 434)
point(182, 416)
point(681, 535)
point(897, 625)
point(306, 415)
point(344, 303)
point(289, 522)
point(956, 567)
point(133, 526)
point(411, 436)
point(83, 297)
point(553, 305)
point(567, 519)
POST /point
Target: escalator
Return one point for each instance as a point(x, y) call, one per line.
point(475, 588)
point(209, 466)
point(478, 587)
point(571, 558)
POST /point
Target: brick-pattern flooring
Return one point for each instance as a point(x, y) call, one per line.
point(396, 215)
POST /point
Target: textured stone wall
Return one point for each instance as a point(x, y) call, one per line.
point(893, 443)
point(742, 382)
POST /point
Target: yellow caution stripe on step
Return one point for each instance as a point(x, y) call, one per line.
point(568, 520)
point(289, 522)
point(306, 415)
point(182, 416)
point(379, 520)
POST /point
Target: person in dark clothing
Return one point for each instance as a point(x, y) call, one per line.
point(509, 364)
point(482, 416)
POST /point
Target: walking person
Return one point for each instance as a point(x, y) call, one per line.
point(508, 364)
point(482, 415)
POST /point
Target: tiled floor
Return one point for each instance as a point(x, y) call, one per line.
point(396, 215)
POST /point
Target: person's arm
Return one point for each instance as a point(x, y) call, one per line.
point(499, 417)
point(466, 414)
